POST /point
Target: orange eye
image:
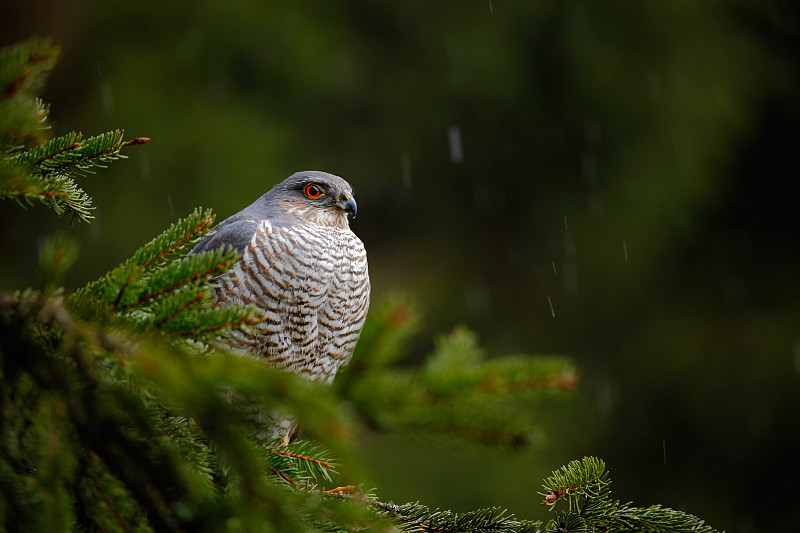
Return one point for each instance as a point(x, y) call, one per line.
point(313, 191)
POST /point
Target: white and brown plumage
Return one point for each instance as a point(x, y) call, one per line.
point(304, 268)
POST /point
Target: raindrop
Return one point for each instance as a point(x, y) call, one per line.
point(550, 303)
point(405, 170)
point(625, 250)
point(106, 96)
point(491, 9)
point(566, 227)
point(99, 71)
point(454, 141)
point(171, 208)
point(554, 268)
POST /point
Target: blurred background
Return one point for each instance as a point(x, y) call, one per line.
point(608, 180)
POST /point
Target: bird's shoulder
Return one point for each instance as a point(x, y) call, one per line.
point(235, 232)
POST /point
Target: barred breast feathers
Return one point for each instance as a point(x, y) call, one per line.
point(312, 284)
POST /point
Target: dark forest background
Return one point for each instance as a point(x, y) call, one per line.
point(615, 181)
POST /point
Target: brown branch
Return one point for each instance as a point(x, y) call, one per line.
point(284, 475)
point(56, 196)
point(202, 226)
point(107, 499)
point(194, 277)
point(98, 155)
point(566, 381)
point(304, 457)
point(133, 142)
point(137, 140)
point(51, 156)
point(242, 320)
point(175, 313)
point(15, 84)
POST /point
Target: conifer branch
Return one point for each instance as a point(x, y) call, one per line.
point(171, 246)
point(585, 487)
point(415, 518)
point(192, 270)
point(283, 475)
point(303, 457)
point(458, 393)
point(238, 319)
point(166, 318)
point(110, 290)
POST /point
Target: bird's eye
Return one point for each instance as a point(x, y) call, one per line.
point(313, 191)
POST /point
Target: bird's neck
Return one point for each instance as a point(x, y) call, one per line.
point(323, 216)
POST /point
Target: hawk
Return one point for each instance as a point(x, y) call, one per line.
point(306, 271)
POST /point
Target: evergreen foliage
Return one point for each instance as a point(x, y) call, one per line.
point(583, 486)
point(45, 172)
point(456, 394)
point(113, 409)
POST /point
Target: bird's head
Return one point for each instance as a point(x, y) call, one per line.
point(318, 197)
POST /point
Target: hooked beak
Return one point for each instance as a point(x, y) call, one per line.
point(348, 204)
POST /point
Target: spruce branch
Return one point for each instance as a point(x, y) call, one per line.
point(193, 270)
point(23, 71)
point(458, 393)
point(300, 462)
point(417, 518)
point(161, 289)
point(56, 255)
point(65, 365)
point(585, 487)
point(33, 170)
point(24, 66)
point(577, 482)
point(70, 156)
point(108, 292)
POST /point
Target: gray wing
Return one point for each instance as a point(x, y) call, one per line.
point(234, 232)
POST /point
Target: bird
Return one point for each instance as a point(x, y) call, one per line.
point(305, 270)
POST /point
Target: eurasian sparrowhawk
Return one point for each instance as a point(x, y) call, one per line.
point(304, 268)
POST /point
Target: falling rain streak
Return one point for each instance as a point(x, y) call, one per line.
point(454, 142)
point(625, 250)
point(550, 303)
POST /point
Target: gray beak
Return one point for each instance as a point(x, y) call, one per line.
point(348, 204)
